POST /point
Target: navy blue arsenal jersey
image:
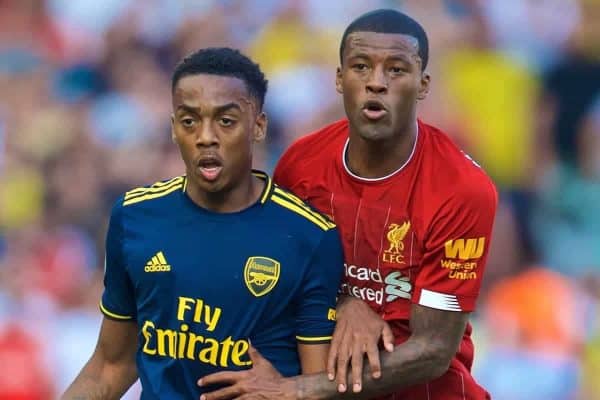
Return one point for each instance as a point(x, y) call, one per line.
point(200, 284)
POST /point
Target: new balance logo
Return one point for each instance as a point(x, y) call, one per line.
point(158, 263)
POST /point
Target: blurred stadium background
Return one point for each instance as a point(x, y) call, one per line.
point(84, 115)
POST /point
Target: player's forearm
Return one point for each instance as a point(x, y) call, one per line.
point(413, 362)
point(101, 382)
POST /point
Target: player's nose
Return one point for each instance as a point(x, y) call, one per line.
point(206, 136)
point(377, 81)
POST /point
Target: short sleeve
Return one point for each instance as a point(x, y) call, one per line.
point(456, 249)
point(317, 298)
point(118, 301)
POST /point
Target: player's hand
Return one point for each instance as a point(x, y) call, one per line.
point(357, 333)
point(262, 382)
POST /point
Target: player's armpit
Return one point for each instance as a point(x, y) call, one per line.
point(313, 357)
point(111, 370)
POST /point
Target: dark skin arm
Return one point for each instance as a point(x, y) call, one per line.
point(426, 355)
point(111, 370)
point(313, 357)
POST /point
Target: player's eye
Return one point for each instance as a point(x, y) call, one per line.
point(396, 70)
point(226, 122)
point(359, 67)
point(188, 122)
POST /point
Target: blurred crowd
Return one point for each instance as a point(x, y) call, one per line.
point(84, 116)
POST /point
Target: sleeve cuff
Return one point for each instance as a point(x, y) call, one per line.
point(444, 301)
point(313, 339)
point(113, 315)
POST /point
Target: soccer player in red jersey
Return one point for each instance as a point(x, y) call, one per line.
point(415, 214)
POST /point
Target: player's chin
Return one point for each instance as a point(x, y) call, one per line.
point(211, 185)
point(375, 132)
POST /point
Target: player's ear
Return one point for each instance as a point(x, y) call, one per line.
point(260, 127)
point(173, 137)
point(424, 86)
point(338, 80)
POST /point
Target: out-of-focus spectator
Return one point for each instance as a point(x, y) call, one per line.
point(567, 211)
point(535, 325)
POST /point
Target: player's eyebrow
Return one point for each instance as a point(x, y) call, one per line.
point(218, 109)
point(227, 107)
point(185, 108)
point(400, 57)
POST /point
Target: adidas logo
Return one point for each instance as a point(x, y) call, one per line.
point(158, 263)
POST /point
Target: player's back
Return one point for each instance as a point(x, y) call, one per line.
point(417, 236)
point(202, 284)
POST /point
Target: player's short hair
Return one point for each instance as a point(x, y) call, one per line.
point(389, 21)
point(223, 61)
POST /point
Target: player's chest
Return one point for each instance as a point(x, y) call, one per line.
point(212, 262)
point(379, 228)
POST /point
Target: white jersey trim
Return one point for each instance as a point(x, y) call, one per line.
point(412, 152)
point(440, 301)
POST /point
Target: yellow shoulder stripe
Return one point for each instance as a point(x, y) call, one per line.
point(153, 195)
point(313, 339)
point(295, 199)
point(157, 187)
point(310, 215)
point(113, 315)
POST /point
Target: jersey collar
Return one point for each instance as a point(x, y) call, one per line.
point(267, 190)
point(383, 178)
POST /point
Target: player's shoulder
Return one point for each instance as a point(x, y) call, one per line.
point(450, 165)
point(319, 143)
point(151, 195)
point(291, 208)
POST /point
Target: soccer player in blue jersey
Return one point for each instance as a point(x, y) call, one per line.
point(201, 265)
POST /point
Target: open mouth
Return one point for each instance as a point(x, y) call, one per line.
point(374, 110)
point(210, 168)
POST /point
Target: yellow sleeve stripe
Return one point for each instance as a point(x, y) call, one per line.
point(113, 315)
point(314, 339)
point(157, 187)
point(289, 196)
point(302, 211)
point(150, 196)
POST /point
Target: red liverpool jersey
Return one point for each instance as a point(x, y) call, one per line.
point(419, 235)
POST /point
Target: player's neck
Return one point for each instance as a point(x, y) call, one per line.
point(242, 196)
point(376, 159)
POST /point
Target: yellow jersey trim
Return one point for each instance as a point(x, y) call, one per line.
point(314, 339)
point(291, 197)
point(113, 315)
point(267, 192)
point(156, 188)
point(151, 195)
point(185, 182)
point(268, 184)
point(306, 213)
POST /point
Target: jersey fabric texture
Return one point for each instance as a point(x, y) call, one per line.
point(200, 285)
point(419, 235)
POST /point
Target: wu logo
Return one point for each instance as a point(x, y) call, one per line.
point(395, 237)
point(465, 249)
point(261, 275)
